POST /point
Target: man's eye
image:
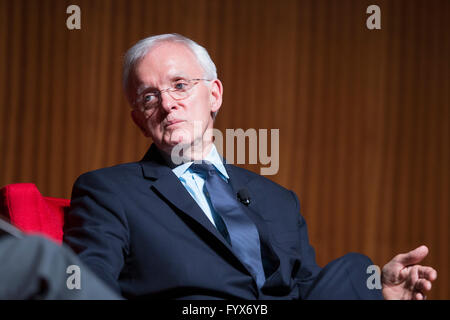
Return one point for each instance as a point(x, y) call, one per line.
point(149, 98)
point(180, 86)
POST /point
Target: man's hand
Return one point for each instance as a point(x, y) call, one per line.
point(403, 279)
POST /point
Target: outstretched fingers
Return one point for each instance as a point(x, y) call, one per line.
point(427, 273)
point(412, 257)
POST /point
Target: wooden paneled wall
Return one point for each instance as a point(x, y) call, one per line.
point(363, 114)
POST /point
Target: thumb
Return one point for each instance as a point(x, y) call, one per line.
point(412, 257)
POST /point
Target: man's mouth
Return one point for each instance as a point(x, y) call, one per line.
point(173, 122)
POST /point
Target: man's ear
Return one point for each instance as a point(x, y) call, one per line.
point(216, 95)
point(139, 120)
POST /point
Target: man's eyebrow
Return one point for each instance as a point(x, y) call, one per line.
point(144, 88)
point(178, 77)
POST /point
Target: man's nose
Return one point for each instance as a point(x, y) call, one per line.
point(167, 102)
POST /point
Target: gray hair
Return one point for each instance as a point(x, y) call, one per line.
point(140, 50)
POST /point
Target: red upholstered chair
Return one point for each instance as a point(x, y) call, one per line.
point(24, 206)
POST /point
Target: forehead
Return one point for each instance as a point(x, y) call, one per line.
point(166, 61)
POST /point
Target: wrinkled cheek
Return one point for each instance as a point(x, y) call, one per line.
point(156, 131)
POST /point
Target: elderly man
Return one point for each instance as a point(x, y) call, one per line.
point(205, 229)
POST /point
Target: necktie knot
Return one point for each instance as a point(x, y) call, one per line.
point(203, 167)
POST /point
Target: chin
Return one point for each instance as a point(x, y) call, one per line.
point(179, 135)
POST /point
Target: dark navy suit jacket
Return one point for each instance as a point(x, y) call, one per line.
point(138, 228)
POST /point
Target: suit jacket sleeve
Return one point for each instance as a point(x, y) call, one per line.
point(309, 269)
point(96, 227)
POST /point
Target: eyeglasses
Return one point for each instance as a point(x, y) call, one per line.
point(180, 89)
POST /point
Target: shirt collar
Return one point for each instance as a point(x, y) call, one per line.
point(213, 157)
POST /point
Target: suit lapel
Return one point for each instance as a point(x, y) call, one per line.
point(169, 188)
point(174, 192)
